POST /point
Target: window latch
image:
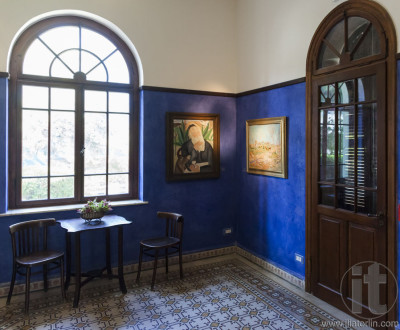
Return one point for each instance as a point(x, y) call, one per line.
point(82, 150)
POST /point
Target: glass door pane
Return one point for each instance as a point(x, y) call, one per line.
point(348, 154)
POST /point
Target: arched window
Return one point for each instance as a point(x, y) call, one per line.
point(73, 115)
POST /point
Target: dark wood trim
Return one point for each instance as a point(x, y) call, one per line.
point(271, 87)
point(381, 17)
point(4, 75)
point(198, 92)
point(185, 91)
point(17, 78)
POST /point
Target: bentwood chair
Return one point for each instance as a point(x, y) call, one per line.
point(29, 247)
point(171, 243)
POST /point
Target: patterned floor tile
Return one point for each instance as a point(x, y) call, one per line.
point(221, 295)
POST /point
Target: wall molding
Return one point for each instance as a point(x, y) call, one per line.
point(185, 91)
point(131, 268)
point(235, 95)
point(271, 87)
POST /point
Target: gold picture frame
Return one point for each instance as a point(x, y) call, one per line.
point(266, 147)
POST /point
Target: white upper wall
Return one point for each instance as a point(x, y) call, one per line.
point(212, 45)
point(274, 36)
point(189, 44)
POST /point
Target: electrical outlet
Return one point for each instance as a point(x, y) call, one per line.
point(227, 231)
point(299, 258)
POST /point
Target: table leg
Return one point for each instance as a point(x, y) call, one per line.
point(68, 248)
point(77, 269)
point(108, 254)
point(121, 260)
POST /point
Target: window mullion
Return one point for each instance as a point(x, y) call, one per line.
point(48, 142)
point(79, 143)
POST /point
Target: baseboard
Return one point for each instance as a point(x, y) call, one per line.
point(298, 282)
point(131, 268)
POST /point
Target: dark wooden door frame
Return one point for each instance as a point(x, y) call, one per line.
point(380, 15)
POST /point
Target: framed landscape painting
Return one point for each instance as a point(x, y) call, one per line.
point(266, 146)
point(192, 150)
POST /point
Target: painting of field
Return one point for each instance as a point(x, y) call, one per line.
point(266, 153)
point(265, 148)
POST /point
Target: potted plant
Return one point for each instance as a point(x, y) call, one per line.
point(94, 210)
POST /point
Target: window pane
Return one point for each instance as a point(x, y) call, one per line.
point(95, 101)
point(96, 43)
point(118, 160)
point(346, 92)
point(60, 70)
point(34, 189)
point(345, 198)
point(37, 59)
point(335, 38)
point(367, 152)
point(356, 27)
point(98, 74)
point(367, 88)
point(370, 45)
point(62, 99)
point(117, 69)
point(118, 102)
point(327, 95)
point(89, 61)
point(71, 58)
point(61, 38)
point(95, 143)
point(34, 142)
point(346, 145)
point(35, 97)
point(366, 201)
point(118, 184)
point(327, 145)
point(95, 185)
point(326, 195)
point(62, 143)
point(62, 187)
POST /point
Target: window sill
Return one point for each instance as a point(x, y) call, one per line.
point(47, 209)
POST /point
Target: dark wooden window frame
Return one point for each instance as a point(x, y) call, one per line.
point(376, 14)
point(17, 78)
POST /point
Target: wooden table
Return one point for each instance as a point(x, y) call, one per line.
point(76, 227)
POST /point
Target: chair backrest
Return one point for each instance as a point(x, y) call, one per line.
point(29, 236)
point(174, 224)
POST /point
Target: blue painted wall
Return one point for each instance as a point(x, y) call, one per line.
point(208, 205)
point(271, 214)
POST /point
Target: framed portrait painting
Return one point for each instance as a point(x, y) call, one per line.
point(192, 149)
point(266, 146)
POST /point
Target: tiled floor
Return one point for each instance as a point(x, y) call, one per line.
point(218, 293)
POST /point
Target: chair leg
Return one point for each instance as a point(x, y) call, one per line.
point(62, 278)
point(180, 261)
point(140, 264)
point(45, 284)
point(27, 289)
point(14, 273)
point(154, 269)
point(166, 260)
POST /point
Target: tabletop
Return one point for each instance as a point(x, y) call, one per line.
point(78, 224)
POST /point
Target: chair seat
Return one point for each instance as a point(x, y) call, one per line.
point(160, 242)
point(38, 258)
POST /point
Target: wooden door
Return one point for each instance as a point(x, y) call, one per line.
point(349, 204)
